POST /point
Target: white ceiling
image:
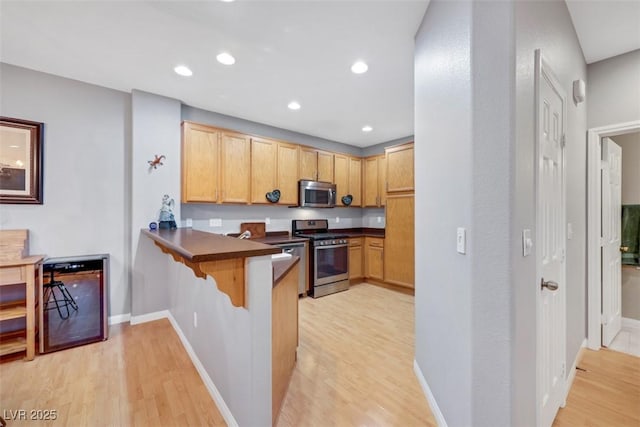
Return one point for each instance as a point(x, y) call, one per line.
point(606, 28)
point(285, 50)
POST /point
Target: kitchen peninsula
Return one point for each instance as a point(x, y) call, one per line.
point(218, 292)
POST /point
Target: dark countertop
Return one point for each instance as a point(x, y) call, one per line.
point(282, 267)
point(360, 232)
point(199, 246)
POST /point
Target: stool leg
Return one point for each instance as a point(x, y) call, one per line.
point(68, 298)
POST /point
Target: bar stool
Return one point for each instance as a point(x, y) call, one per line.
point(63, 300)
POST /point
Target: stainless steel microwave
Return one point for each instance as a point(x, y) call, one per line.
point(316, 194)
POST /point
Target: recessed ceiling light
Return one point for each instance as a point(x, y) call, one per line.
point(183, 70)
point(367, 129)
point(359, 67)
point(293, 105)
point(226, 59)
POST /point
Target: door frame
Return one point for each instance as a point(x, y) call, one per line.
point(543, 70)
point(594, 207)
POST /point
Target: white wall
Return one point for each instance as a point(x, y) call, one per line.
point(86, 192)
point(613, 90)
point(630, 144)
point(474, 92)
point(547, 26)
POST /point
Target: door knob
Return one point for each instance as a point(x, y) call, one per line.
point(551, 285)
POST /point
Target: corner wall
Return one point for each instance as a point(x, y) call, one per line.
point(613, 90)
point(87, 134)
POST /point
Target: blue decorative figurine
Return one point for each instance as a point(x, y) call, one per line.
point(166, 219)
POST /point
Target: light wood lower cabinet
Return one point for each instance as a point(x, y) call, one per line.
point(374, 257)
point(399, 241)
point(284, 337)
point(355, 258)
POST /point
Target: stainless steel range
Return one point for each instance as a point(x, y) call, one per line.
point(328, 256)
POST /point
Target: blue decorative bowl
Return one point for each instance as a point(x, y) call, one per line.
point(273, 196)
point(346, 200)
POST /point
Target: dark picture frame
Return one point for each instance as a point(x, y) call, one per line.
point(20, 161)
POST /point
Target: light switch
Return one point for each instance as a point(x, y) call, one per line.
point(527, 243)
point(461, 240)
point(569, 231)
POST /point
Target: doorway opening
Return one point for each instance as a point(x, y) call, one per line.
point(594, 224)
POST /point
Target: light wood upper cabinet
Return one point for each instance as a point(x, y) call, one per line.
point(341, 176)
point(374, 257)
point(316, 165)
point(264, 155)
point(375, 171)
point(399, 241)
point(400, 174)
point(355, 180)
point(235, 165)
point(200, 163)
point(288, 160)
point(325, 166)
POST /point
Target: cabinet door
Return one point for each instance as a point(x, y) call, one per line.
point(200, 163)
point(382, 180)
point(325, 166)
point(399, 241)
point(308, 164)
point(371, 192)
point(355, 180)
point(263, 168)
point(400, 168)
point(235, 164)
point(374, 258)
point(288, 173)
point(341, 177)
point(355, 262)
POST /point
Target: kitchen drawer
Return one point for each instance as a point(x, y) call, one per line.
point(11, 275)
point(355, 241)
point(373, 241)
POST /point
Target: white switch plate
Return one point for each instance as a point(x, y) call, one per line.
point(195, 319)
point(215, 222)
point(267, 220)
point(569, 231)
point(527, 243)
point(461, 240)
point(189, 222)
point(337, 219)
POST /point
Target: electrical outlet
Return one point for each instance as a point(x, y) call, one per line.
point(379, 220)
point(337, 219)
point(195, 319)
point(215, 222)
point(189, 222)
point(267, 220)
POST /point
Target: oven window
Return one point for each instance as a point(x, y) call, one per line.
point(316, 196)
point(331, 261)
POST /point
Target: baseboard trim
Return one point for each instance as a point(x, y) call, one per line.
point(119, 318)
point(435, 410)
point(149, 317)
point(572, 373)
point(630, 323)
point(208, 382)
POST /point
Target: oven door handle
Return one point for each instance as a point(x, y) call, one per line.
point(341, 245)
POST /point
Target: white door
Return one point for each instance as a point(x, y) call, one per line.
point(550, 214)
point(611, 228)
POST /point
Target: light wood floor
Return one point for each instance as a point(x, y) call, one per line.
point(140, 376)
point(355, 362)
point(606, 394)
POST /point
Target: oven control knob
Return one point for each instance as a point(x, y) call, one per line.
point(333, 242)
